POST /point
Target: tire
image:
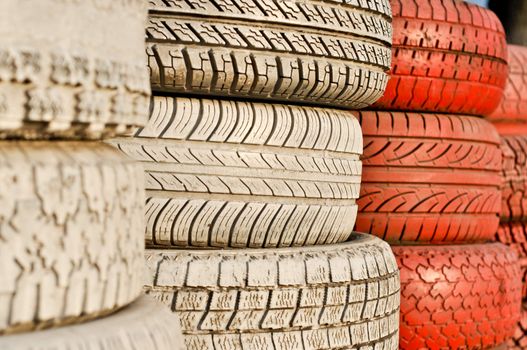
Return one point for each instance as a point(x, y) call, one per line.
point(519, 341)
point(332, 53)
point(80, 77)
point(514, 173)
point(71, 229)
point(458, 64)
point(322, 297)
point(142, 325)
point(429, 178)
point(222, 173)
point(458, 296)
point(513, 107)
point(514, 235)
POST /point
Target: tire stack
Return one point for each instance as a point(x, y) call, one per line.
point(71, 238)
point(431, 176)
point(510, 119)
point(253, 171)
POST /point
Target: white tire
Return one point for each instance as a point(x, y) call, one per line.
point(343, 296)
point(144, 325)
point(71, 232)
point(222, 173)
point(73, 69)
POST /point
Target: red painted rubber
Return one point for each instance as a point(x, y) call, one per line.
point(448, 56)
point(514, 235)
point(519, 341)
point(458, 297)
point(513, 107)
point(514, 173)
point(429, 178)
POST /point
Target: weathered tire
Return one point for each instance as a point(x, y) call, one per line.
point(429, 178)
point(322, 297)
point(514, 235)
point(448, 56)
point(514, 178)
point(458, 296)
point(513, 106)
point(142, 325)
point(238, 174)
point(332, 53)
point(83, 76)
point(71, 232)
point(519, 341)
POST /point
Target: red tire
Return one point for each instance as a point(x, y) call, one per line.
point(519, 341)
point(513, 107)
point(514, 173)
point(429, 178)
point(514, 235)
point(458, 297)
point(448, 56)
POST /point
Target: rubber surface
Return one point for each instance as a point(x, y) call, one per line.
point(514, 235)
point(79, 77)
point(513, 107)
point(519, 341)
point(429, 178)
point(514, 173)
point(458, 296)
point(342, 296)
point(238, 174)
point(448, 56)
point(328, 53)
point(71, 233)
point(143, 325)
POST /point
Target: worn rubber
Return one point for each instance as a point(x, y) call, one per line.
point(333, 53)
point(514, 235)
point(514, 178)
point(71, 233)
point(429, 177)
point(448, 56)
point(79, 77)
point(519, 341)
point(343, 296)
point(458, 296)
point(513, 106)
point(144, 325)
point(222, 173)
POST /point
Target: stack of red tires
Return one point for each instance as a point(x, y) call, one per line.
point(510, 119)
point(431, 177)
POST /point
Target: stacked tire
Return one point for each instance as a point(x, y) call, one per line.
point(431, 177)
point(71, 238)
point(253, 170)
point(510, 119)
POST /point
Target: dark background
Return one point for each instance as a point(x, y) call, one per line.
point(513, 15)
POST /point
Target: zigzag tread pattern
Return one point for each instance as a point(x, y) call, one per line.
point(514, 177)
point(408, 192)
point(514, 235)
point(465, 296)
point(235, 57)
point(448, 56)
point(142, 325)
point(519, 341)
point(325, 297)
point(71, 233)
point(513, 107)
point(236, 174)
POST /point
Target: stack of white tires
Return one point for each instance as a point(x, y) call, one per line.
point(253, 169)
point(71, 208)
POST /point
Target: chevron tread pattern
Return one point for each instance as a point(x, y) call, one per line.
point(429, 178)
point(239, 174)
